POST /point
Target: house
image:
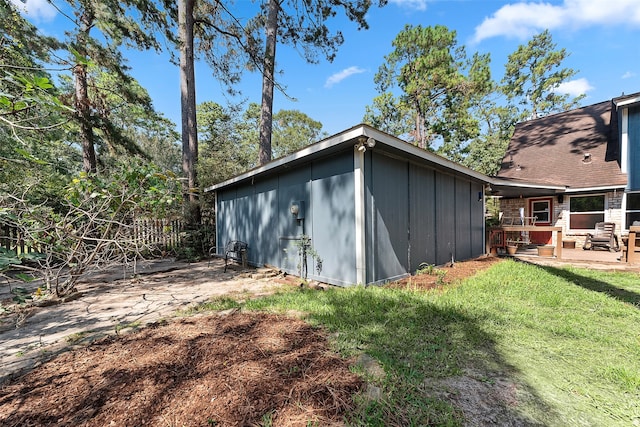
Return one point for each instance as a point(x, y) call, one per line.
point(575, 169)
point(374, 207)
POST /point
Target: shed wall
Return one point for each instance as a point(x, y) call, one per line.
point(257, 212)
point(417, 214)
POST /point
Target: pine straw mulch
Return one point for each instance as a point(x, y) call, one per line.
point(243, 369)
point(451, 274)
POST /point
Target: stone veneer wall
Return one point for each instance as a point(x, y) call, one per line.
point(613, 213)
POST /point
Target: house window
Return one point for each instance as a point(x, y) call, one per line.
point(585, 212)
point(541, 209)
point(633, 208)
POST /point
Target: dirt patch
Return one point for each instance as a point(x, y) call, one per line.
point(485, 399)
point(434, 277)
point(242, 369)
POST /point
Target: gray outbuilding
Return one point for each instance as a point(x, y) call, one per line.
point(375, 208)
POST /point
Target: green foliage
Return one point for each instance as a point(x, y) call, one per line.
point(229, 138)
point(133, 188)
point(8, 258)
point(438, 84)
point(95, 223)
point(21, 295)
point(485, 152)
point(306, 251)
point(532, 75)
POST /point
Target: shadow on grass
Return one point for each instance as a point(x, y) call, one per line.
point(596, 285)
point(431, 354)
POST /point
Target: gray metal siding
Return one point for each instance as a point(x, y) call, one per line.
point(265, 248)
point(225, 219)
point(413, 214)
point(293, 187)
point(476, 213)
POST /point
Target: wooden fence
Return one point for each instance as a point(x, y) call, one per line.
point(162, 234)
point(12, 240)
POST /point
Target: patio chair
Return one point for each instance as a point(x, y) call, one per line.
point(234, 250)
point(604, 237)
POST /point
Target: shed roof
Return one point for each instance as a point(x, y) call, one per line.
point(345, 140)
point(578, 149)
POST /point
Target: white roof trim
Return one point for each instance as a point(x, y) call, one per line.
point(602, 188)
point(522, 184)
point(629, 101)
point(350, 134)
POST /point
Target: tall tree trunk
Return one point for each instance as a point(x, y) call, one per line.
point(188, 107)
point(266, 112)
point(81, 102)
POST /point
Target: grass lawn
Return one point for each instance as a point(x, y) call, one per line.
point(555, 347)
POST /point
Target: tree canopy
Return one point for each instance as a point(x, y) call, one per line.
point(438, 84)
point(533, 75)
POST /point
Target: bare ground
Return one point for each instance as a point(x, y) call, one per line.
point(229, 368)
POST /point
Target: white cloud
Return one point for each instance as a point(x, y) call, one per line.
point(574, 87)
point(628, 75)
point(522, 20)
point(411, 4)
point(39, 10)
point(340, 76)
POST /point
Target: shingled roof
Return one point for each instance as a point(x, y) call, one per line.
point(576, 149)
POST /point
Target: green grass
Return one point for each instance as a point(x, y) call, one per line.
point(569, 338)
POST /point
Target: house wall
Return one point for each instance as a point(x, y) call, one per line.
point(416, 214)
point(613, 213)
point(257, 212)
point(634, 149)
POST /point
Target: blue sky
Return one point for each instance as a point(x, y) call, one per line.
point(602, 37)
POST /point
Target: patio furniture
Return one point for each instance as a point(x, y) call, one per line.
point(235, 250)
point(631, 245)
point(603, 237)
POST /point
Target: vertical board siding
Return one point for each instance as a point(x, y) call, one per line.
point(422, 214)
point(463, 203)
point(225, 218)
point(257, 212)
point(293, 187)
point(332, 198)
point(445, 202)
point(266, 247)
point(634, 149)
point(390, 195)
point(413, 214)
point(417, 214)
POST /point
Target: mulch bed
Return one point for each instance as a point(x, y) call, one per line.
point(243, 369)
point(452, 273)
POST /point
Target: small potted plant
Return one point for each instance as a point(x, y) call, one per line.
point(512, 249)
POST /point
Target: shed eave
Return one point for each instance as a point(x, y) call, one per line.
point(350, 135)
point(305, 152)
